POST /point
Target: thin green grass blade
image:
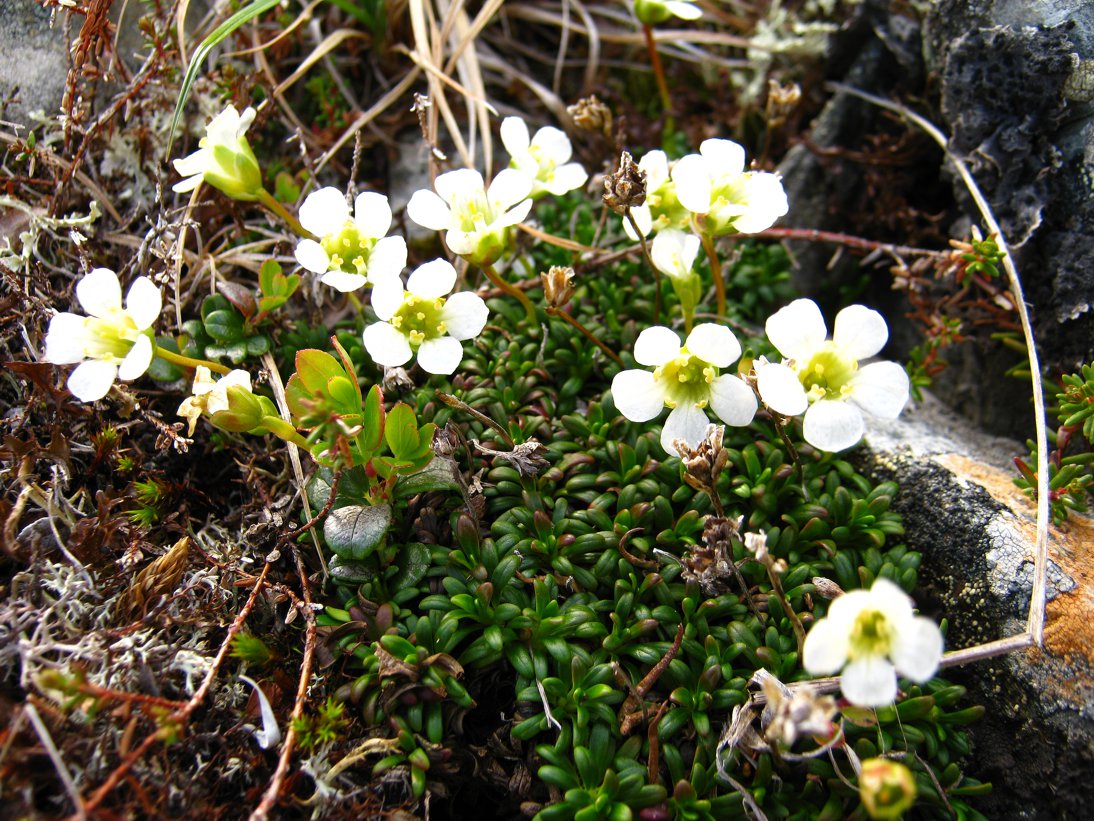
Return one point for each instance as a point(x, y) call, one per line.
point(222, 31)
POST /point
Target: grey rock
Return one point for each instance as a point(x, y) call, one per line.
point(33, 62)
point(975, 530)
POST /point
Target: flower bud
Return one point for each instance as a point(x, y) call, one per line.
point(887, 788)
point(224, 158)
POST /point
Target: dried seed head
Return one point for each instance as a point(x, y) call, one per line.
point(558, 286)
point(590, 114)
point(527, 457)
point(705, 462)
point(626, 187)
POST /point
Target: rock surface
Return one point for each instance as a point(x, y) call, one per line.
point(1013, 83)
point(33, 62)
point(976, 532)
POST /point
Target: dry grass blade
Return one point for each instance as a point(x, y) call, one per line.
point(155, 581)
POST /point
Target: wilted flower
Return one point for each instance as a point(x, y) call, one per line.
point(685, 379)
point(421, 319)
point(112, 342)
point(224, 158)
point(872, 635)
point(352, 250)
point(558, 286)
point(625, 188)
point(822, 377)
point(652, 12)
point(714, 186)
point(545, 157)
point(233, 410)
point(661, 208)
point(478, 221)
point(793, 714)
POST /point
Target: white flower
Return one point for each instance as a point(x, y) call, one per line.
point(823, 378)
point(477, 220)
point(421, 319)
point(873, 635)
point(652, 12)
point(714, 185)
point(674, 252)
point(352, 250)
point(210, 396)
point(685, 379)
point(112, 342)
point(545, 158)
point(224, 158)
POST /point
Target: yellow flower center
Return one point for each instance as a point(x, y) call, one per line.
point(348, 250)
point(827, 374)
point(871, 635)
point(420, 319)
point(686, 379)
point(110, 338)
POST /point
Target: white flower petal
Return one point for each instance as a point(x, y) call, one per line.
point(432, 279)
point(766, 201)
point(656, 165)
point(643, 218)
point(193, 164)
point(693, 185)
point(100, 293)
point(324, 211)
point(387, 259)
point(733, 400)
point(387, 297)
point(917, 649)
point(656, 345)
point(441, 355)
point(683, 10)
point(461, 243)
point(725, 157)
point(673, 252)
point(780, 388)
point(137, 360)
point(66, 339)
point(224, 127)
point(429, 210)
point(843, 611)
point(869, 682)
point(245, 120)
point(713, 343)
point(797, 329)
point(832, 425)
point(143, 303)
point(312, 256)
point(881, 389)
point(637, 395)
point(566, 178)
point(454, 186)
point(386, 345)
point(514, 136)
point(860, 332)
point(188, 184)
point(553, 145)
point(372, 214)
point(464, 314)
point(92, 379)
point(517, 214)
point(343, 281)
point(825, 649)
point(508, 188)
point(685, 422)
point(889, 598)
